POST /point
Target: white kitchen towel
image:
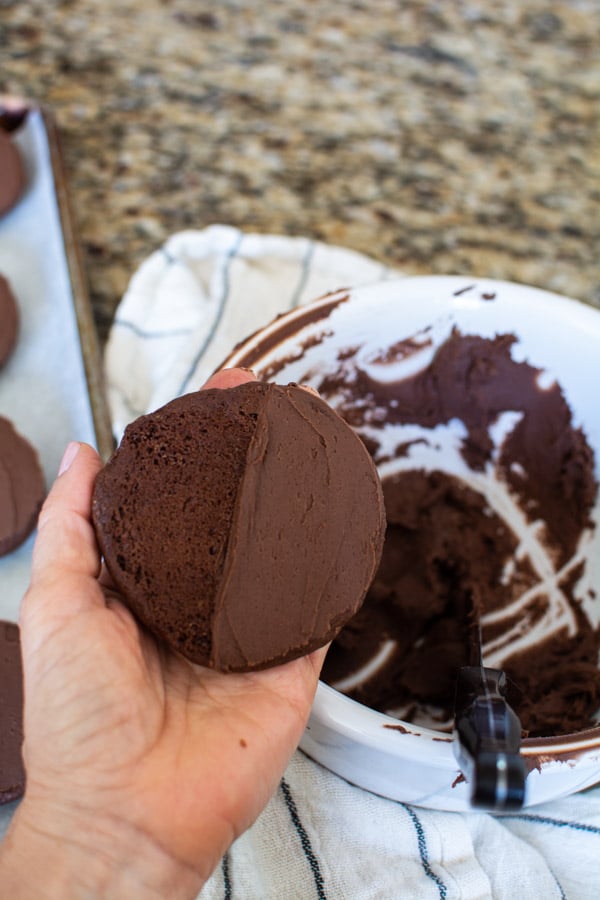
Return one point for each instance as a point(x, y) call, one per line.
point(321, 838)
point(185, 309)
point(193, 300)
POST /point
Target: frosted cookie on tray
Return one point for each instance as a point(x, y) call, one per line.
point(12, 173)
point(9, 320)
point(22, 487)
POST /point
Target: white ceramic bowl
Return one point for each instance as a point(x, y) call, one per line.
point(375, 751)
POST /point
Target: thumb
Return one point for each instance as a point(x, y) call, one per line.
point(66, 546)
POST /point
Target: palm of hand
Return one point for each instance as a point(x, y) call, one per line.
point(132, 731)
point(141, 768)
point(120, 730)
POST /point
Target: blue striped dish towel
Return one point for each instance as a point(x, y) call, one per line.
point(201, 293)
point(186, 307)
point(320, 838)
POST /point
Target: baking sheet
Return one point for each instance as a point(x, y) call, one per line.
point(51, 386)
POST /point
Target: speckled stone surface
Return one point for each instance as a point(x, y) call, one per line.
point(438, 137)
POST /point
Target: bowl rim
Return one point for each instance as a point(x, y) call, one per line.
point(372, 722)
point(257, 344)
point(260, 341)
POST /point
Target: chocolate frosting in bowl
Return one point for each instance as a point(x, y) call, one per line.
point(491, 499)
point(447, 546)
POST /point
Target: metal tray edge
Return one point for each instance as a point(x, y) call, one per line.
point(88, 337)
point(12, 111)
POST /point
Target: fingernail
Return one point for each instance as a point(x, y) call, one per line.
point(68, 456)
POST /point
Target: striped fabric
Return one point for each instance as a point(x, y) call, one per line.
point(321, 838)
point(193, 300)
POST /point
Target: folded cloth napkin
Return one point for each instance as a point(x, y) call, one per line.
point(193, 300)
point(185, 309)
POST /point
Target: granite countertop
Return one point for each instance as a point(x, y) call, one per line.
point(437, 137)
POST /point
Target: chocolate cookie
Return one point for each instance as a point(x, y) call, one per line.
point(9, 320)
point(12, 173)
point(242, 526)
point(22, 487)
point(12, 773)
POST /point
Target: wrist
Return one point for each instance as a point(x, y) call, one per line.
point(63, 858)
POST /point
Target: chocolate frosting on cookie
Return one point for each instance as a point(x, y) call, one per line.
point(12, 173)
point(22, 487)
point(12, 773)
point(9, 320)
point(243, 526)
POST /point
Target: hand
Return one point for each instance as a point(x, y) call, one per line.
point(141, 767)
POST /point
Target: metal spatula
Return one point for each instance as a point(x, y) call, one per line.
point(487, 733)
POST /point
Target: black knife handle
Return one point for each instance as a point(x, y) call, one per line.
point(488, 739)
